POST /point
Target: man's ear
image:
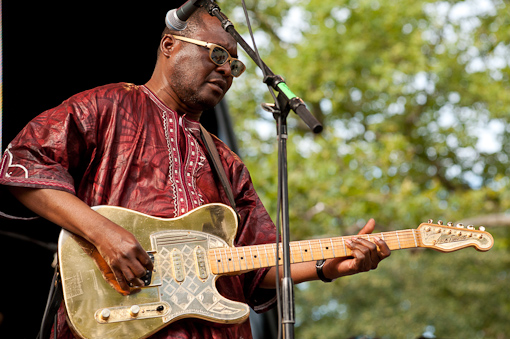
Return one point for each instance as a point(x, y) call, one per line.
point(166, 45)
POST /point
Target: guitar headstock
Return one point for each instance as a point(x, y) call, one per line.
point(449, 238)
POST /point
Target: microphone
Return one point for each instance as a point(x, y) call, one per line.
point(176, 18)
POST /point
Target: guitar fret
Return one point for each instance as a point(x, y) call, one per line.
point(245, 258)
point(332, 247)
point(231, 260)
point(267, 256)
point(217, 261)
point(414, 236)
point(223, 262)
point(239, 258)
point(398, 239)
point(246, 262)
point(292, 252)
point(233, 250)
point(273, 253)
point(311, 250)
point(301, 251)
point(345, 249)
point(322, 251)
point(252, 261)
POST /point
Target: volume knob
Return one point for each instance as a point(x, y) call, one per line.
point(134, 310)
point(105, 314)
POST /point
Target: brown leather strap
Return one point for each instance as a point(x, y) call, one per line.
point(220, 171)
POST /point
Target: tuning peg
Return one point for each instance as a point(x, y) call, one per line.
point(431, 221)
point(471, 227)
point(450, 223)
point(460, 225)
point(481, 228)
point(440, 222)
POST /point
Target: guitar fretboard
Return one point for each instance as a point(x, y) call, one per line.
point(238, 259)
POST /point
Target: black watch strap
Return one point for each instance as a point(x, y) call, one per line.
point(318, 267)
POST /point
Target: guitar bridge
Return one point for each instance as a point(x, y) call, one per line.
point(147, 278)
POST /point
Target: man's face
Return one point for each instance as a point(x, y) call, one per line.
point(196, 80)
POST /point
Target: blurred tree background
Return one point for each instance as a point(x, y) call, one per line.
point(415, 99)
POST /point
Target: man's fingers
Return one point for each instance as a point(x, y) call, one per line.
point(146, 261)
point(367, 254)
point(121, 281)
point(382, 248)
point(139, 273)
point(359, 252)
point(128, 274)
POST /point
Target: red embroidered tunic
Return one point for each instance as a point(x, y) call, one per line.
point(120, 145)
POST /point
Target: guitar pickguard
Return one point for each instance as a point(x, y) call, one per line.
point(195, 294)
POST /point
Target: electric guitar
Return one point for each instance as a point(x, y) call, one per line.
point(189, 254)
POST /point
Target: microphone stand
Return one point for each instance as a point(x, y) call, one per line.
point(286, 101)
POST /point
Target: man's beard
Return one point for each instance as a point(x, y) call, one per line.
point(192, 97)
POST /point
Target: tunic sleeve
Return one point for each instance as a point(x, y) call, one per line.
point(48, 152)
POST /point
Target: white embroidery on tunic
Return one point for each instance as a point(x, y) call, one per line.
point(182, 175)
point(10, 164)
point(194, 161)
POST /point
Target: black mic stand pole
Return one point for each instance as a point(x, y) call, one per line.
point(286, 101)
point(277, 82)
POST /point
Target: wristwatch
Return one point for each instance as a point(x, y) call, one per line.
point(318, 266)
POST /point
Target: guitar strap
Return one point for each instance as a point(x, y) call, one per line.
point(220, 171)
point(55, 297)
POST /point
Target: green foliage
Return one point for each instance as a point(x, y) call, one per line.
point(414, 97)
point(456, 295)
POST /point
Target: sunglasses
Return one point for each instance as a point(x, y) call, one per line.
point(218, 55)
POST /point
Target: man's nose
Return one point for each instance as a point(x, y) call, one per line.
point(225, 69)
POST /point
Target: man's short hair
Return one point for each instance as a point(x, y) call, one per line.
point(194, 22)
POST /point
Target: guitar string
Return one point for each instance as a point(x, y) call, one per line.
point(408, 237)
point(314, 249)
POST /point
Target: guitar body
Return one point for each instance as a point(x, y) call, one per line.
point(181, 284)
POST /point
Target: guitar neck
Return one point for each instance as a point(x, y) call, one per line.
point(238, 259)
